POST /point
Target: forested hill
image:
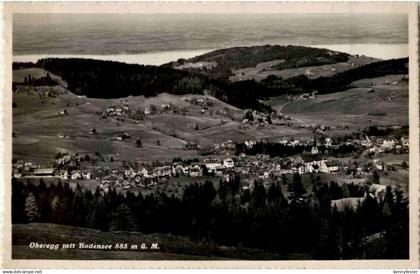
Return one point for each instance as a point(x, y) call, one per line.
point(108, 79)
point(241, 57)
point(229, 59)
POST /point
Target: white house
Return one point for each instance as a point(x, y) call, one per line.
point(378, 164)
point(314, 150)
point(163, 171)
point(143, 172)
point(86, 175)
point(63, 174)
point(329, 167)
point(328, 142)
point(196, 171)
point(314, 166)
point(229, 163)
point(387, 145)
point(43, 172)
point(378, 191)
point(75, 175)
point(211, 164)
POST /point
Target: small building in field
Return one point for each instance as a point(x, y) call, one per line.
point(43, 172)
point(196, 171)
point(229, 163)
point(63, 174)
point(191, 146)
point(75, 175)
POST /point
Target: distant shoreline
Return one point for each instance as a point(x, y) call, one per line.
point(381, 51)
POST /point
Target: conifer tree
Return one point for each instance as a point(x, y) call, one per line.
point(31, 208)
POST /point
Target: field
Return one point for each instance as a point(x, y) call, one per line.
point(379, 101)
point(263, 70)
point(38, 120)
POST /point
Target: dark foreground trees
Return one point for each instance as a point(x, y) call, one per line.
point(277, 218)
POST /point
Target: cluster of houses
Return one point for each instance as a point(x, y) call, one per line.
point(374, 145)
point(137, 114)
point(22, 169)
point(116, 111)
point(203, 102)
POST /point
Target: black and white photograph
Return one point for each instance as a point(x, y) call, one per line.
point(210, 136)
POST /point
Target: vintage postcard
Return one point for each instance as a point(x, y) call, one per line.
point(211, 134)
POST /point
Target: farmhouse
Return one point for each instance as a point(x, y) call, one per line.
point(191, 146)
point(143, 172)
point(298, 169)
point(43, 172)
point(211, 164)
point(228, 163)
point(179, 168)
point(329, 166)
point(86, 175)
point(63, 174)
point(314, 150)
point(378, 191)
point(166, 107)
point(388, 144)
point(196, 171)
point(379, 164)
point(314, 166)
point(75, 175)
point(328, 142)
point(250, 143)
point(219, 170)
point(163, 171)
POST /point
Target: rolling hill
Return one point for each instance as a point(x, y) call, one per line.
point(376, 93)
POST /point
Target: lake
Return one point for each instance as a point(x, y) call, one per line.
point(381, 51)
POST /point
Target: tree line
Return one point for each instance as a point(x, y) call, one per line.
point(281, 217)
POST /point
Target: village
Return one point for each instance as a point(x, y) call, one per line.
point(224, 164)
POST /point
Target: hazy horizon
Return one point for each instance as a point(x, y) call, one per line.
point(97, 34)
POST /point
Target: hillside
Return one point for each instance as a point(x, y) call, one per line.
point(219, 63)
point(107, 79)
point(284, 70)
point(85, 88)
point(170, 247)
point(379, 101)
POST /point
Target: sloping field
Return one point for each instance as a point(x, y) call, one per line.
point(20, 74)
point(39, 120)
point(263, 70)
point(377, 101)
point(170, 247)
